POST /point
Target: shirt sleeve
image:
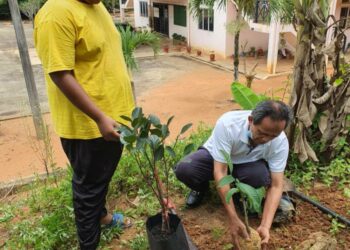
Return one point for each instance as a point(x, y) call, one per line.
point(221, 142)
point(55, 44)
point(278, 159)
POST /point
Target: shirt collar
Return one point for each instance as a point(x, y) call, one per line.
point(244, 132)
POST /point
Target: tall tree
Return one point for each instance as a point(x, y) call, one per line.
point(318, 99)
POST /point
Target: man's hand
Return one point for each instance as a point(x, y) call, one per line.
point(238, 229)
point(107, 126)
point(264, 233)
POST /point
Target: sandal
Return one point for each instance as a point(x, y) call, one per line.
point(119, 221)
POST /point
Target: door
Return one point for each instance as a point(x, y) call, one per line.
point(161, 18)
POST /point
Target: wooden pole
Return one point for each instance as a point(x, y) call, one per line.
point(27, 68)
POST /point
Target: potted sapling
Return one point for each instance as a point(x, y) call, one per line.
point(251, 199)
point(145, 140)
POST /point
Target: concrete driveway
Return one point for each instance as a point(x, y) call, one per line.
point(13, 93)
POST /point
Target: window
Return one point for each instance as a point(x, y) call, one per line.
point(344, 14)
point(143, 9)
point(180, 15)
point(206, 20)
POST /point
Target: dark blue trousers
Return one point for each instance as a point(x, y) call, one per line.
point(94, 162)
point(196, 170)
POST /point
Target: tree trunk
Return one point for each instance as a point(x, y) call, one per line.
point(236, 49)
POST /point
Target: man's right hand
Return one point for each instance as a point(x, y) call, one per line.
point(238, 229)
point(107, 126)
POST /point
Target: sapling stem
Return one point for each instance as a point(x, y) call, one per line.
point(246, 223)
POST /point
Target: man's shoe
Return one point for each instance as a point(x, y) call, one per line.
point(194, 198)
point(285, 211)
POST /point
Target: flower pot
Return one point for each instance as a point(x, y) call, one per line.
point(199, 53)
point(188, 50)
point(212, 57)
point(166, 49)
point(174, 241)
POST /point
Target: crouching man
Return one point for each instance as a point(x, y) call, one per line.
point(259, 151)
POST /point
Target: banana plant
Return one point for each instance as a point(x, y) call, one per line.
point(251, 197)
point(145, 140)
point(246, 97)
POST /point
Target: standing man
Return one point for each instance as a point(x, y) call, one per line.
point(88, 89)
point(259, 151)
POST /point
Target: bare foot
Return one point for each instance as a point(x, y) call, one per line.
point(106, 220)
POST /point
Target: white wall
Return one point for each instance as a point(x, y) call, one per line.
point(176, 28)
point(209, 40)
point(254, 38)
point(140, 21)
point(337, 17)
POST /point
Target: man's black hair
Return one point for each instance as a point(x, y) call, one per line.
point(276, 110)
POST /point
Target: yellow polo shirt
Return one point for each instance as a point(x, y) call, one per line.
point(71, 35)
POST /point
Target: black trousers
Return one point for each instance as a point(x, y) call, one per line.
point(94, 162)
point(196, 170)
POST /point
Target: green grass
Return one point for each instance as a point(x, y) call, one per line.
point(45, 219)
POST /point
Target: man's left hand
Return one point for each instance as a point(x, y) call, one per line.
point(264, 233)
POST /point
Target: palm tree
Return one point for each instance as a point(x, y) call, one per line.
point(131, 40)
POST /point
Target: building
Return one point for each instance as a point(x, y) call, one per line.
point(209, 31)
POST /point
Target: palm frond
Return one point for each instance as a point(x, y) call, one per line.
point(131, 40)
point(282, 10)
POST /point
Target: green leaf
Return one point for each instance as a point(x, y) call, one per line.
point(141, 144)
point(188, 149)
point(156, 132)
point(228, 160)
point(127, 118)
point(171, 151)
point(169, 120)
point(338, 82)
point(165, 131)
point(228, 179)
point(154, 120)
point(159, 153)
point(254, 196)
point(136, 113)
point(154, 141)
point(245, 97)
point(185, 128)
point(229, 194)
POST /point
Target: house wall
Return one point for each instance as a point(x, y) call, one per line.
point(253, 38)
point(140, 21)
point(176, 28)
point(339, 5)
point(209, 40)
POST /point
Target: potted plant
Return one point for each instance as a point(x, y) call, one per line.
point(199, 52)
point(166, 48)
point(212, 56)
point(252, 51)
point(145, 139)
point(251, 199)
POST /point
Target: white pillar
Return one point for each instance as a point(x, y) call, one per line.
point(274, 33)
point(332, 10)
point(122, 14)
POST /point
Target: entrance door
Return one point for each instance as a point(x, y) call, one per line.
point(161, 18)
